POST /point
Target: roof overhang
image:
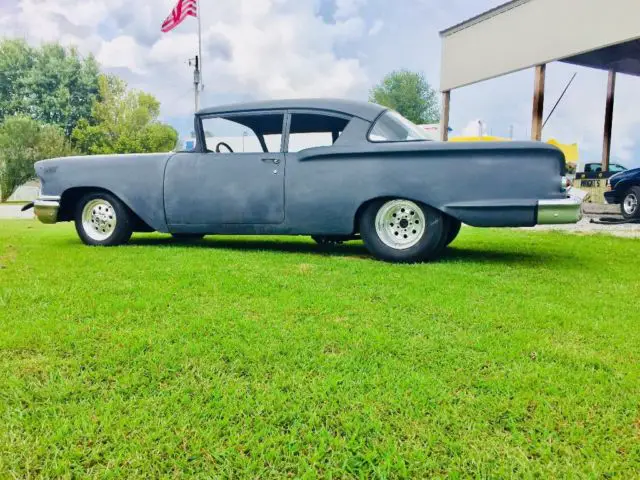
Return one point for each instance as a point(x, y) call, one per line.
point(523, 33)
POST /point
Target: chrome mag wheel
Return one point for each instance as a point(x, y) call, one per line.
point(400, 224)
point(99, 219)
point(630, 204)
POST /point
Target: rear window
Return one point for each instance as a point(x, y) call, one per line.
point(393, 127)
point(309, 130)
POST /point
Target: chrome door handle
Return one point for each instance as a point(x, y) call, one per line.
point(272, 160)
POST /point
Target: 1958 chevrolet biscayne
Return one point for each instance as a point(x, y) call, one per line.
point(332, 169)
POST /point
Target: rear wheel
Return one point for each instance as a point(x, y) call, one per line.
point(454, 230)
point(102, 220)
point(630, 207)
point(402, 231)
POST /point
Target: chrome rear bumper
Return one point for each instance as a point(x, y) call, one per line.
point(46, 208)
point(566, 210)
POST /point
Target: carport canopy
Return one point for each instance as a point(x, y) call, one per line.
point(531, 33)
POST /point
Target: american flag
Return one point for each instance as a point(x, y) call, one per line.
point(184, 9)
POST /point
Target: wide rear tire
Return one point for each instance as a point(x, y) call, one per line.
point(101, 219)
point(402, 231)
point(454, 229)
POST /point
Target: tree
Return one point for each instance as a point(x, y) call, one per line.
point(123, 121)
point(408, 93)
point(50, 84)
point(24, 141)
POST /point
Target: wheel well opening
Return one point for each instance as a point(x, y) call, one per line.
point(70, 199)
point(360, 211)
point(72, 196)
point(363, 207)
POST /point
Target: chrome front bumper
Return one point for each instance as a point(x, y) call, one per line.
point(566, 210)
point(46, 208)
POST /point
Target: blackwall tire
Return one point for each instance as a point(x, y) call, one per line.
point(454, 229)
point(402, 231)
point(630, 205)
point(101, 219)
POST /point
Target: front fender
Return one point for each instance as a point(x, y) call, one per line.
point(137, 180)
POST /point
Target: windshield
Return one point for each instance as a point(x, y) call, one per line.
point(393, 127)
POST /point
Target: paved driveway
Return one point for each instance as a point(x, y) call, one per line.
point(13, 211)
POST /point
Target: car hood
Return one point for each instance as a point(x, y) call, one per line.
point(102, 158)
point(631, 173)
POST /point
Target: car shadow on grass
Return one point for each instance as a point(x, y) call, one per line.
point(353, 249)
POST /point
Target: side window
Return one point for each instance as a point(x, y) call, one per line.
point(310, 130)
point(243, 133)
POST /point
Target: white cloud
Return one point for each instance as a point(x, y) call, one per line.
point(348, 8)
point(122, 52)
point(251, 48)
point(376, 28)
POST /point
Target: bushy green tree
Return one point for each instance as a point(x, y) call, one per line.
point(123, 121)
point(50, 84)
point(408, 93)
point(24, 141)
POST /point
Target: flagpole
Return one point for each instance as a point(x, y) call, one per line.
point(200, 44)
point(198, 83)
point(182, 10)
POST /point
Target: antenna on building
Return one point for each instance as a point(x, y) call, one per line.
point(559, 99)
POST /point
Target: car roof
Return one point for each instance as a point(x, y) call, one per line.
point(365, 110)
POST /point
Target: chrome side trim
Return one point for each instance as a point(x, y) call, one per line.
point(46, 208)
point(568, 210)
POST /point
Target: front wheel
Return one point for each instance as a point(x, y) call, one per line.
point(103, 220)
point(402, 231)
point(630, 207)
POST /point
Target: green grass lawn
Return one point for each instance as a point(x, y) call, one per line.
point(516, 355)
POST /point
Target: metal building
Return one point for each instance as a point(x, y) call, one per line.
point(520, 34)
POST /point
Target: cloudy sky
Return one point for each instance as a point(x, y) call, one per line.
point(257, 49)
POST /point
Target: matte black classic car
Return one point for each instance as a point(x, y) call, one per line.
point(624, 188)
point(332, 169)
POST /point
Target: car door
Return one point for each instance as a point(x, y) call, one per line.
point(204, 189)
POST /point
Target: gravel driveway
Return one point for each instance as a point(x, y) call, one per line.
point(585, 226)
